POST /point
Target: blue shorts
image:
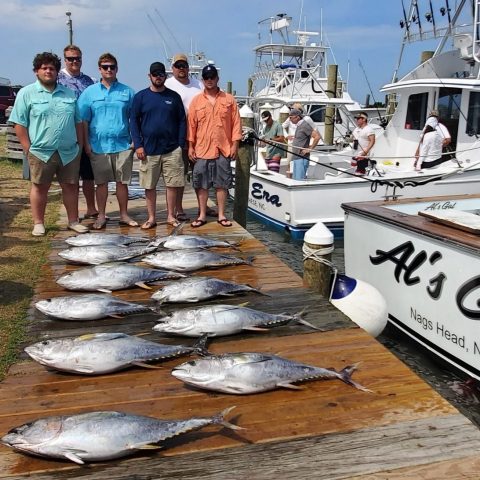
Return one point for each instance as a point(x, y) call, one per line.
point(300, 167)
point(215, 173)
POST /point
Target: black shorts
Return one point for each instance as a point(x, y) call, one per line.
point(86, 172)
point(212, 173)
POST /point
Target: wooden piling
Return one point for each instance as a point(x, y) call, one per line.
point(242, 171)
point(330, 112)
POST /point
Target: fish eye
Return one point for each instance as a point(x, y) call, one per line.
point(192, 363)
point(45, 342)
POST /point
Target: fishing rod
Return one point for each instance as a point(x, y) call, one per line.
point(405, 22)
point(417, 19)
point(383, 121)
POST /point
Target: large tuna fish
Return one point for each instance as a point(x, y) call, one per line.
point(217, 320)
point(98, 436)
point(91, 306)
point(196, 289)
point(185, 242)
point(101, 238)
point(243, 373)
point(113, 276)
point(191, 260)
point(100, 353)
point(98, 254)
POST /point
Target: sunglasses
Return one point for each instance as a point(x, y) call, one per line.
point(73, 59)
point(181, 65)
point(108, 67)
point(158, 74)
point(209, 77)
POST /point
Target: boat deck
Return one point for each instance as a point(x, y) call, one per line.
point(326, 430)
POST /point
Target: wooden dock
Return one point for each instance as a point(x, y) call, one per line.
point(327, 430)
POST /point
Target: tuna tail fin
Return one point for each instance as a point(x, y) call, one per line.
point(200, 346)
point(219, 419)
point(298, 318)
point(178, 229)
point(234, 245)
point(346, 376)
point(158, 310)
point(249, 260)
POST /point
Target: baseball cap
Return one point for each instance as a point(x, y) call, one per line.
point(433, 113)
point(179, 57)
point(209, 71)
point(362, 115)
point(157, 67)
point(432, 121)
point(295, 111)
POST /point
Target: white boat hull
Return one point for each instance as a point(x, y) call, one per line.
point(430, 281)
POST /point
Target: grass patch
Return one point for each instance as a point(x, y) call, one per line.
point(21, 255)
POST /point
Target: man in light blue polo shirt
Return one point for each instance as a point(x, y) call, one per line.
point(47, 124)
point(105, 110)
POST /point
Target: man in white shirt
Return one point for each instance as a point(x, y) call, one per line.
point(364, 140)
point(187, 87)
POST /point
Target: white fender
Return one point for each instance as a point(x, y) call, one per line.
point(361, 302)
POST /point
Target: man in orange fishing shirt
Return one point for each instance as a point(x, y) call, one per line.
point(214, 133)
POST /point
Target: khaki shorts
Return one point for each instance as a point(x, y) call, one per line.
point(112, 167)
point(170, 165)
point(44, 172)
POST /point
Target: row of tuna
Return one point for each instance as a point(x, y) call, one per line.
point(95, 436)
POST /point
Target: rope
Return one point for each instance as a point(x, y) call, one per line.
point(310, 253)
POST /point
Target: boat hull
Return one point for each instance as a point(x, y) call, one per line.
point(428, 274)
point(295, 206)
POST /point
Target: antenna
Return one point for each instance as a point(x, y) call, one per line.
point(167, 56)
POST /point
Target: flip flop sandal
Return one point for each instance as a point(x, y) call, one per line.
point(182, 217)
point(225, 222)
point(128, 223)
point(98, 225)
point(148, 225)
point(198, 223)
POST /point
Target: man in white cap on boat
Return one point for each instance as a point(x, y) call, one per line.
point(363, 142)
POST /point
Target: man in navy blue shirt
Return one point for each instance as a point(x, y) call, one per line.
point(158, 128)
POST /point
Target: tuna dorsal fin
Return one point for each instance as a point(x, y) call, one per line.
point(143, 285)
point(145, 365)
point(289, 385)
point(145, 446)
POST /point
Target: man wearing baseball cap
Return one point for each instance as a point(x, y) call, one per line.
point(364, 140)
point(214, 133)
point(158, 131)
point(187, 87)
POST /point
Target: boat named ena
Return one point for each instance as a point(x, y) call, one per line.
point(423, 256)
point(447, 82)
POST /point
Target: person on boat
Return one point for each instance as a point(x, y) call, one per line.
point(73, 78)
point(187, 87)
point(363, 142)
point(434, 122)
point(289, 129)
point(105, 110)
point(429, 152)
point(214, 134)
point(158, 127)
point(273, 131)
point(48, 125)
point(304, 134)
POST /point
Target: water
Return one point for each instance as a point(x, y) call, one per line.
point(462, 392)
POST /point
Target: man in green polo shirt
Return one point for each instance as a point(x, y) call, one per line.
point(48, 125)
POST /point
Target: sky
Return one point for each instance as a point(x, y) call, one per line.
point(365, 31)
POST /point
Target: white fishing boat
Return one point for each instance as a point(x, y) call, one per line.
point(448, 82)
point(423, 256)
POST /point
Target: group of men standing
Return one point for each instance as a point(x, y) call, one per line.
point(71, 127)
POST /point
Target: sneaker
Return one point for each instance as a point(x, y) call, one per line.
point(77, 227)
point(38, 230)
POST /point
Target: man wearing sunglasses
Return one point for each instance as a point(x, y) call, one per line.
point(187, 87)
point(158, 127)
point(214, 133)
point(72, 77)
point(105, 110)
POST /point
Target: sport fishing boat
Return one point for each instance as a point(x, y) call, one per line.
point(448, 82)
point(422, 255)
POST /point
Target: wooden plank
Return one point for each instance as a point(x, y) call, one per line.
point(466, 221)
point(370, 453)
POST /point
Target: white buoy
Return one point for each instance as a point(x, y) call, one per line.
point(361, 302)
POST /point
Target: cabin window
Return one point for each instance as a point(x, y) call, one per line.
point(317, 113)
point(473, 117)
point(416, 111)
